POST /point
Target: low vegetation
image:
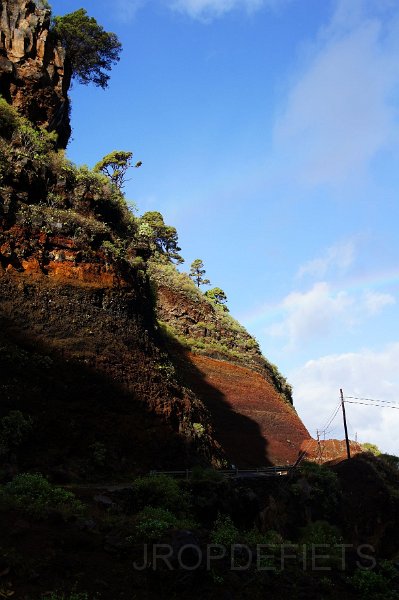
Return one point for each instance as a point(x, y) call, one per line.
point(33, 494)
point(210, 512)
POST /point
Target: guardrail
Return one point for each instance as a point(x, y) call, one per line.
point(258, 471)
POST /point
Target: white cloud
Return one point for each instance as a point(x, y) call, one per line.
point(374, 302)
point(125, 10)
point(318, 312)
point(339, 256)
point(210, 9)
point(367, 374)
point(339, 114)
point(311, 314)
point(202, 10)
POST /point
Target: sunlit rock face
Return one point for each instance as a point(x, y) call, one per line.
point(34, 74)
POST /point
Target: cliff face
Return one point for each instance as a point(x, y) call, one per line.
point(34, 75)
point(82, 353)
point(80, 356)
point(248, 400)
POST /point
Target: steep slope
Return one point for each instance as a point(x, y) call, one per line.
point(84, 360)
point(329, 451)
point(80, 357)
point(248, 399)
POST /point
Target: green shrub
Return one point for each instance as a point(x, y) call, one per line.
point(114, 251)
point(14, 428)
point(325, 490)
point(67, 222)
point(206, 474)
point(153, 522)
point(224, 531)
point(33, 143)
point(9, 119)
point(63, 596)
point(391, 460)
point(254, 537)
point(321, 532)
point(33, 494)
point(5, 159)
point(367, 447)
point(198, 429)
point(99, 454)
point(380, 583)
point(160, 491)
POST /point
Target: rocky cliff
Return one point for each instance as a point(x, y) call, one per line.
point(80, 356)
point(249, 401)
point(108, 385)
point(34, 75)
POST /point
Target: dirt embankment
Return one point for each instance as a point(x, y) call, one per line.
point(83, 361)
point(329, 451)
point(250, 420)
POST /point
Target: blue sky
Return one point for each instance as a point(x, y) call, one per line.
point(269, 135)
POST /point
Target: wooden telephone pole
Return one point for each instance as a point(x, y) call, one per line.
point(348, 449)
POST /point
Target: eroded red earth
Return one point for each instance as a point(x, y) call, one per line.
point(251, 421)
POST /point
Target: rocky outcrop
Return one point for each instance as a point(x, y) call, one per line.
point(329, 451)
point(251, 422)
point(81, 359)
point(80, 355)
point(249, 401)
point(34, 74)
point(185, 312)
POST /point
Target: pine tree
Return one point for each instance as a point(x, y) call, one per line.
point(197, 272)
point(218, 297)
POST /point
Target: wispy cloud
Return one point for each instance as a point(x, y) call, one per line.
point(125, 10)
point(339, 114)
point(201, 10)
point(340, 256)
point(375, 302)
point(311, 314)
point(316, 313)
point(370, 374)
point(206, 10)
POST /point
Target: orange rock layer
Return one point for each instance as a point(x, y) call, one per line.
point(251, 422)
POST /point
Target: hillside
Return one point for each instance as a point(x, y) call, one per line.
point(84, 355)
point(249, 401)
point(114, 366)
point(83, 368)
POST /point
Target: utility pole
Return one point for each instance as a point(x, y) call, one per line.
point(348, 450)
point(318, 447)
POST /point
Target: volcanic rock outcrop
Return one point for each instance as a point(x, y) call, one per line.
point(34, 74)
point(108, 384)
point(249, 401)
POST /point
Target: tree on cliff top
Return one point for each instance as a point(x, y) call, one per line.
point(163, 237)
point(115, 166)
point(90, 49)
point(218, 297)
point(197, 272)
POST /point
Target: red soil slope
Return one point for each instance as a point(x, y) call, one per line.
point(251, 421)
point(331, 451)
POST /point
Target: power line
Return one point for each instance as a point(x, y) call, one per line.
point(323, 430)
point(372, 400)
point(368, 404)
point(331, 418)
